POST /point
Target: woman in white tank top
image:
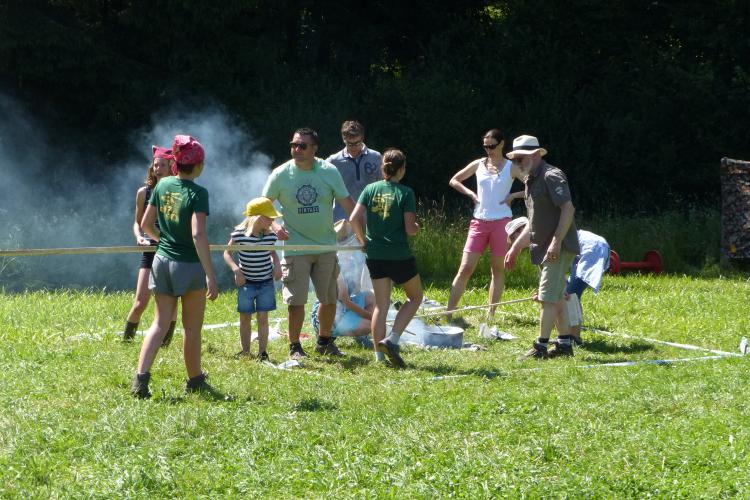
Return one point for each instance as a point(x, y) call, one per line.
point(494, 175)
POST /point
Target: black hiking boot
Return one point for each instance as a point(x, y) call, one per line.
point(139, 388)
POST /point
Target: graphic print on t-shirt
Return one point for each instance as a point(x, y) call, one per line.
point(170, 205)
point(306, 196)
point(382, 203)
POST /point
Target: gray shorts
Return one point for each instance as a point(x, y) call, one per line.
point(170, 277)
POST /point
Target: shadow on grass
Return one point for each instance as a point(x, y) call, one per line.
point(210, 393)
point(448, 371)
point(604, 347)
point(349, 362)
point(314, 404)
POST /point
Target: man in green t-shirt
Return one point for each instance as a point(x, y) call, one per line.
point(306, 187)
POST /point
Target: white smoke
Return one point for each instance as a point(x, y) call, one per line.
point(48, 200)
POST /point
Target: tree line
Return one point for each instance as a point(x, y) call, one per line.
point(636, 101)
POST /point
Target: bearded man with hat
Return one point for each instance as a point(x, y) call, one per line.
point(552, 240)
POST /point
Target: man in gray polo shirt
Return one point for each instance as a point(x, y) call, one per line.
point(552, 239)
point(358, 165)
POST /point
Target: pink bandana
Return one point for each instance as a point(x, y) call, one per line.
point(160, 152)
point(187, 151)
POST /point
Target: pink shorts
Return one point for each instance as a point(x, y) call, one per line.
point(487, 232)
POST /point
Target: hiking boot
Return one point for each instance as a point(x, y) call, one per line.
point(577, 340)
point(560, 350)
point(393, 352)
point(296, 351)
point(330, 349)
point(170, 333)
point(129, 333)
point(262, 357)
point(199, 383)
point(538, 351)
point(139, 388)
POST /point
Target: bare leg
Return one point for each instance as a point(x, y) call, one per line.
point(497, 285)
point(246, 331)
point(414, 294)
point(296, 317)
point(193, 308)
point(326, 314)
point(262, 331)
point(142, 296)
point(165, 305)
point(382, 288)
point(469, 262)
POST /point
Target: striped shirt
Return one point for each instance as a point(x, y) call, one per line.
point(256, 265)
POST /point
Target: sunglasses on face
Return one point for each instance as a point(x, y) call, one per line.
point(490, 146)
point(298, 145)
point(517, 159)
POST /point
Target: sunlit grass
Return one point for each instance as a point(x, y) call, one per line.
point(463, 423)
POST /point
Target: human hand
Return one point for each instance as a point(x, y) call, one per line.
point(474, 198)
point(553, 251)
point(143, 241)
point(212, 290)
point(277, 272)
point(281, 233)
point(239, 278)
point(510, 259)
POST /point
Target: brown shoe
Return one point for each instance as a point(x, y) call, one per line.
point(537, 351)
point(561, 350)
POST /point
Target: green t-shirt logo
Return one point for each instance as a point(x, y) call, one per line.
point(170, 205)
point(382, 203)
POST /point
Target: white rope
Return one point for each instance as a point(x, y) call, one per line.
point(470, 308)
point(688, 347)
point(27, 252)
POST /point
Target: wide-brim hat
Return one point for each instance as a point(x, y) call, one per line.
point(516, 224)
point(261, 206)
point(525, 145)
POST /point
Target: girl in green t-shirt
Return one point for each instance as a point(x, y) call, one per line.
point(387, 210)
point(182, 267)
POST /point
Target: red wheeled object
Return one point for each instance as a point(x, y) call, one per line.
point(652, 262)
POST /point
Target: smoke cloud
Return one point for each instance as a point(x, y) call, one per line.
point(57, 198)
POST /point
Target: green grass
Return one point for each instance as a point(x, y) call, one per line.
point(487, 426)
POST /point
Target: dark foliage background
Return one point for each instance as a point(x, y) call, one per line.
point(636, 101)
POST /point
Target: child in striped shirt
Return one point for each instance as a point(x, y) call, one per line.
point(255, 273)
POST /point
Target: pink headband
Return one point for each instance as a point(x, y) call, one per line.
point(187, 151)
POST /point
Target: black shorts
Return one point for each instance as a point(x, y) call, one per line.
point(400, 271)
point(147, 260)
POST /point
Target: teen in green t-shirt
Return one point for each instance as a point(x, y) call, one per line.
point(387, 210)
point(182, 267)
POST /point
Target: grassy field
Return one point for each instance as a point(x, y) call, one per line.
point(470, 424)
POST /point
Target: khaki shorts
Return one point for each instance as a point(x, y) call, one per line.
point(298, 270)
point(552, 278)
